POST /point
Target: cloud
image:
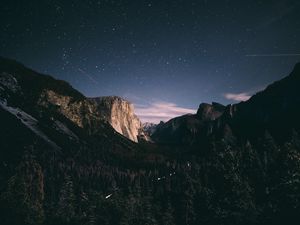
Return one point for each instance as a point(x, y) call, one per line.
point(244, 96)
point(160, 111)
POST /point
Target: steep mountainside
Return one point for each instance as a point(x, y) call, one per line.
point(59, 97)
point(272, 110)
point(275, 109)
point(120, 114)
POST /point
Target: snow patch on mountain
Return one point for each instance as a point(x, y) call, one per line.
point(64, 129)
point(8, 81)
point(28, 121)
point(149, 128)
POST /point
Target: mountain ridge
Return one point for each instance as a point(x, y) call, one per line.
point(263, 109)
point(49, 92)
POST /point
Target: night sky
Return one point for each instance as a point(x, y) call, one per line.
point(165, 56)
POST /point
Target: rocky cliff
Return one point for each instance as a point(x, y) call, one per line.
point(210, 111)
point(188, 129)
point(57, 96)
point(120, 115)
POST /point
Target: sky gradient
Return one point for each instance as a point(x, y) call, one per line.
point(164, 56)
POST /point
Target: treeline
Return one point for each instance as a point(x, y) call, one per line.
point(246, 183)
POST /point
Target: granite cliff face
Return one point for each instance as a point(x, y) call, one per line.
point(90, 112)
point(81, 112)
point(210, 111)
point(120, 115)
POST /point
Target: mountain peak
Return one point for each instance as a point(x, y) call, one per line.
point(111, 98)
point(210, 111)
point(120, 114)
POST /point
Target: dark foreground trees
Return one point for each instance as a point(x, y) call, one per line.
point(250, 183)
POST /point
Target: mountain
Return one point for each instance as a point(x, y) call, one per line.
point(272, 110)
point(59, 96)
point(149, 128)
point(63, 162)
point(120, 115)
point(210, 112)
point(188, 129)
point(275, 109)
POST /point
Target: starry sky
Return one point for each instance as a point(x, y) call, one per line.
point(165, 56)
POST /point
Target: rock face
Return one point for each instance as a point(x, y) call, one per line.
point(120, 115)
point(210, 111)
point(81, 112)
point(188, 129)
point(58, 96)
point(90, 112)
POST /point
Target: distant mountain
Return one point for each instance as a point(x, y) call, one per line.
point(149, 128)
point(274, 110)
point(188, 129)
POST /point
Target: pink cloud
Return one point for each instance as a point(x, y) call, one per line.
point(244, 96)
point(160, 111)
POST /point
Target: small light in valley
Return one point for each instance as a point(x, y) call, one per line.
point(108, 196)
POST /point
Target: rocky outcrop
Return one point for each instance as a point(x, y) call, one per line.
point(90, 112)
point(81, 112)
point(8, 83)
point(56, 96)
point(210, 111)
point(188, 129)
point(120, 115)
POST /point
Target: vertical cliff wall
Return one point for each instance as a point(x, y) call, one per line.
point(120, 114)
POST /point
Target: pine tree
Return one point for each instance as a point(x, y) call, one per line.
point(66, 204)
point(287, 192)
point(25, 193)
point(168, 217)
point(147, 212)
